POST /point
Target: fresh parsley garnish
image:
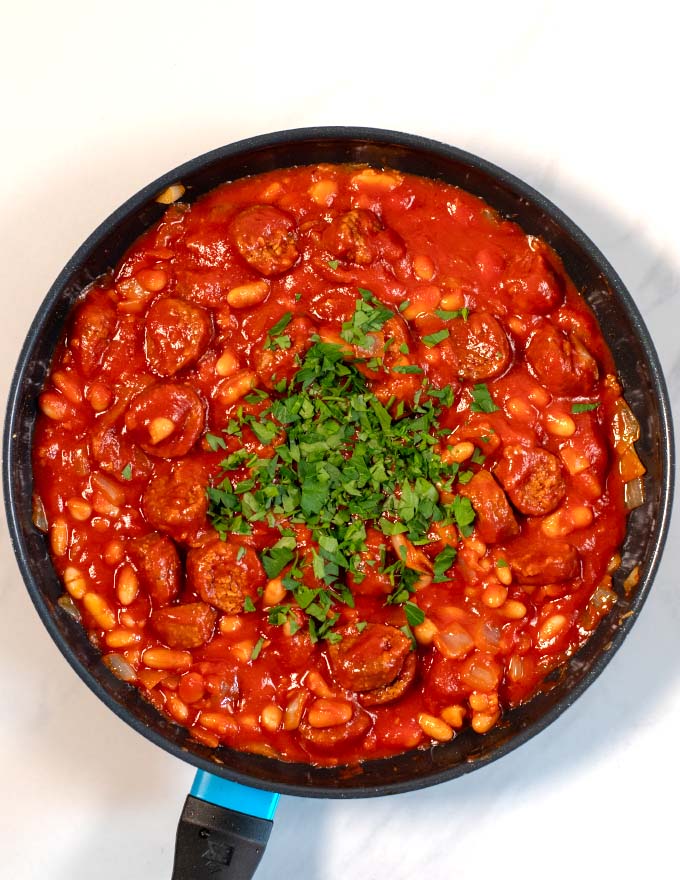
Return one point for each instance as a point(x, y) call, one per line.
point(482, 401)
point(255, 653)
point(215, 442)
point(334, 264)
point(126, 473)
point(248, 605)
point(583, 407)
point(435, 338)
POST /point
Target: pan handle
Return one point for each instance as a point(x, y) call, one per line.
point(223, 830)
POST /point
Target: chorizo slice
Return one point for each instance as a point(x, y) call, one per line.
point(359, 237)
point(165, 419)
point(391, 692)
point(532, 478)
point(562, 363)
point(176, 335)
point(184, 626)
point(274, 362)
point(480, 347)
point(92, 330)
point(176, 503)
point(538, 290)
point(328, 737)
point(495, 520)
point(156, 561)
point(223, 575)
point(265, 238)
point(373, 658)
point(114, 452)
point(541, 562)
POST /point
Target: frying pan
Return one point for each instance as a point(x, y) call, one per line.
point(227, 818)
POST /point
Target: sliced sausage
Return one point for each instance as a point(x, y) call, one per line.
point(223, 575)
point(93, 329)
point(176, 335)
point(537, 562)
point(562, 363)
point(207, 287)
point(480, 347)
point(177, 503)
point(156, 560)
point(352, 236)
point(373, 658)
point(165, 419)
point(532, 478)
point(265, 238)
point(114, 453)
point(391, 692)
point(274, 362)
point(184, 626)
point(538, 290)
point(328, 737)
point(495, 520)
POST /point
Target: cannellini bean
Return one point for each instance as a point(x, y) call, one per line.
point(566, 520)
point(99, 396)
point(323, 192)
point(494, 595)
point(482, 722)
point(518, 408)
point(425, 632)
point(113, 552)
point(59, 537)
point(247, 295)
point(237, 386)
point(54, 406)
point(317, 685)
point(152, 280)
point(227, 364)
point(75, 582)
point(458, 453)
point(230, 623)
point(271, 717)
point(177, 708)
point(100, 610)
point(423, 267)
point(166, 658)
point(160, 429)
point(515, 668)
point(274, 592)
point(293, 712)
point(69, 386)
point(422, 301)
point(218, 722)
point(477, 546)
point(202, 736)
point(379, 179)
point(504, 574)
point(552, 627)
point(436, 728)
point(454, 715)
point(513, 609)
point(108, 487)
point(329, 713)
point(171, 194)
point(79, 509)
point(453, 301)
point(243, 651)
point(539, 396)
point(102, 506)
point(191, 687)
point(559, 424)
point(127, 585)
point(122, 638)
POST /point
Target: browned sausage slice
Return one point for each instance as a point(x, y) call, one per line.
point(184, 626)
point(265, 238)
point(495, 520)
point(274, 363)
point(158, 567)
point(223, 575)
point(373, 658)
point(480, 347)
point(176, 335)
point(328, 737)
point(351, 236)
point(532, 478)
point(391, 692)
point(562, 363)
point(93, 329)
point(165, 419)
point(177, 503)
point(541, 562)
point(538, 290)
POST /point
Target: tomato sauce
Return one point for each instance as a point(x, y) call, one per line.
point(247, 625)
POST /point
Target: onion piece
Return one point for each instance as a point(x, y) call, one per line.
point(625, 427)
point(171, 194)
point(634, 493)
point(39, 515)
point(67, 604)
point(120, 667)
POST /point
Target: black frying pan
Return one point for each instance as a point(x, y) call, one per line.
point(209, 830)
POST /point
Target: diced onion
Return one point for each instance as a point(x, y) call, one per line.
point(625, 427)
point(39, 515)
point(120, 667)
point(67, 604)
point(171, 194)
point(634, 493)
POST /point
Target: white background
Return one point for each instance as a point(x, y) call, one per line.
point(579, 100)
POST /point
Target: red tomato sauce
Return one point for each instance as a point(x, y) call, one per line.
point(169, 366)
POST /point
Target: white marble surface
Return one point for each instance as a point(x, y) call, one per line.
point(581, 101)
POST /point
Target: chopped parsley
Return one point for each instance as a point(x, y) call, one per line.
point(343, 460)
point(215, 442)
point(435, 338)
point(446, 315)
point(334, 264)
point(482, 401)
point(583, 407)
point(255, 653)
point(126, 473)
point(248, 604)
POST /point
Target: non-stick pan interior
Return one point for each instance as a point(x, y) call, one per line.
point(622, 326)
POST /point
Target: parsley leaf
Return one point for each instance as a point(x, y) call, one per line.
point(248, 604)
point(482, 401)
point(435, 338)
point(583, 407)
point(334, 264)
point(255, 653)
point(414, 615)
point(442, 563)
point(215, 442)
point(464, 514)
point(126, 473)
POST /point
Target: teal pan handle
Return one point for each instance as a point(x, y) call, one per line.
point(223, 830)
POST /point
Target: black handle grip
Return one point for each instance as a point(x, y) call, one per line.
point(215, 843)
